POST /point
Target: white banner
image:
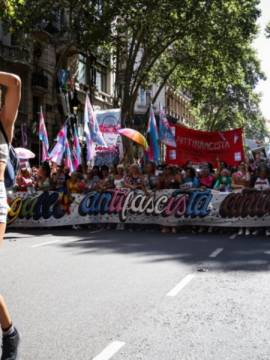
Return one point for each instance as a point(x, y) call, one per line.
point(165, 207)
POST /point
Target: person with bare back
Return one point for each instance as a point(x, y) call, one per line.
point(8, 114)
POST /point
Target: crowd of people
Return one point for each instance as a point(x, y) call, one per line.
point(146, 177)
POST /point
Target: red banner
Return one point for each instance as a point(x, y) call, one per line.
point(202, 146)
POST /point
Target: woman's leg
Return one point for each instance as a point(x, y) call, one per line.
point(11, 337)
point(5, 320)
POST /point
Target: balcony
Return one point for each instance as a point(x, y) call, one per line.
point(15, 54)
point(103, 99)
point(40, 83)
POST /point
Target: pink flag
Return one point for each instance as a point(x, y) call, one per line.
point(77, 156)
point(43, 137)
point(68, 160)
point(58, 151)
point(91, 129)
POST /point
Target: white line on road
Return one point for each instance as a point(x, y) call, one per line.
point(181, 285)
point(110, 350)
point(216, 253)
point(45, 243)
point(96, 231)
point(63, 242)
point(232, 237)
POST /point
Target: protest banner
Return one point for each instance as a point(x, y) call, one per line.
point(202, 146)
point(109, 123)
point(249, 208)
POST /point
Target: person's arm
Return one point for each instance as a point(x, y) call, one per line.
point(9, 111)
point(217, 184)
point(196, 182)
point(234, 184)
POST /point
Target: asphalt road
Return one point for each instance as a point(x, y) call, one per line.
point(138, 295)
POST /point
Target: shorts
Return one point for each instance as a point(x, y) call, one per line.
point(4, 149)
point(3, 203)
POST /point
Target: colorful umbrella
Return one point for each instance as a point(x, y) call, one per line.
point(23, 153)
point(135, 136)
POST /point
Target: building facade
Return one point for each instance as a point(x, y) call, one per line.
point(177, 105)
point(37, 66)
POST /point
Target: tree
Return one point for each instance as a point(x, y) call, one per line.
point(85, 26)
point(201, 46)
point(198, 45)
point(225, 98)
point(218, 67)
point(144, 33)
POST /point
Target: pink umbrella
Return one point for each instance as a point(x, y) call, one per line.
point(23, 153)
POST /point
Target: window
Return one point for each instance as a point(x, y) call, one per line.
point(148, 97)
point(101, 80)
point(145, 96)
point(142, 96)
point(36, 108)
point(82, 70)
point(99, 7)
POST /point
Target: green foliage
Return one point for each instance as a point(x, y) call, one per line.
point(83, 24)
point(203, 46)
point(219, 67)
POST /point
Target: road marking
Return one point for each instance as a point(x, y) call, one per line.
point(110, 350)
point(96, 231)
point(216, 253)
point(180, 286)
point(45, 243)
point(267, 252)
point(232, 237)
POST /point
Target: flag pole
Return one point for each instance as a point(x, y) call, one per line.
point(39, 143)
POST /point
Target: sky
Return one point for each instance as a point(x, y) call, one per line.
point(262, 44)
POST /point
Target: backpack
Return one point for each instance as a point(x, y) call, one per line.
point(12, 166)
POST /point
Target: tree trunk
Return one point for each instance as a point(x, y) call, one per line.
point(126, 122)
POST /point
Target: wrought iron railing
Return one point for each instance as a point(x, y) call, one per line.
point(15, 54)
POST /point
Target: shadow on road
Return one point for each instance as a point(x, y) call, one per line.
point(240, 254)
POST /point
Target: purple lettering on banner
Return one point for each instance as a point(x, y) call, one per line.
point(117, 201)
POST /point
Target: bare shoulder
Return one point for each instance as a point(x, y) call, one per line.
point(12, 83)
point(9, 80)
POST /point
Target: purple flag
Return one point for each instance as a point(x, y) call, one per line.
point(165, 132)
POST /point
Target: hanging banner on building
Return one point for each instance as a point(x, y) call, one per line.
point(109, 123)
point(202, 146)
point(164, 207)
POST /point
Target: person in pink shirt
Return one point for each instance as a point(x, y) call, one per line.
point(206, 179)
point(24, 180)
